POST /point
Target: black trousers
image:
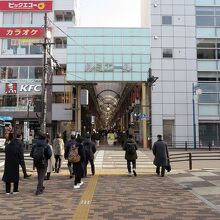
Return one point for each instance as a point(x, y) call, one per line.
point(58, 159)
point(162, 171)
point(8, 187)
point(41, 172)
point(129, 165)
point(77, 179)
point(91, 161)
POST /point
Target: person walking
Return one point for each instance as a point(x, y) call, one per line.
point(41, 153)
point(50, 161)
point(130, 148)
point(68, 146)
point(58, 149)
point(78, 168)
point(18, 141)
point(13, 158)
point(161, 154)
point(90, 150)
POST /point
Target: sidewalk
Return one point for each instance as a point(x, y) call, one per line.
point(111, 194)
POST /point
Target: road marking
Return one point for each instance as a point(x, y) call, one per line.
point(83, 208)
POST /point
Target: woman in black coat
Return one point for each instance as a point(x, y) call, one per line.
point(13, 158)
point(78, 167)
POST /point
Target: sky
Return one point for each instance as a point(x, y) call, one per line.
point(109, 13)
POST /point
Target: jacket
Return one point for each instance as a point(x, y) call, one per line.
point(58, 146)
point(129, 156)
point(89, 148)
point(160, 152)
point(68, 145)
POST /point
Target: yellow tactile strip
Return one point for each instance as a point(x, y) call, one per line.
point(82, 210)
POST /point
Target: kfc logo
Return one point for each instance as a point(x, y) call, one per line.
point(11, 88)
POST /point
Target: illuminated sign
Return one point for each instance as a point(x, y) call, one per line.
point(23, 32)
point(26, 5)
point(30, 88)
point(11, 88)
point(107, 67)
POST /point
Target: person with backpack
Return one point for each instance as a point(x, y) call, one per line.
point(130, 148)
point(41, 153)
point(58, 149)
point(90, 150)
point(13, 158)
point(77, 157)
point(68, 146)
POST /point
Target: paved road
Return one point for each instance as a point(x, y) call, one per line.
point(111, 194)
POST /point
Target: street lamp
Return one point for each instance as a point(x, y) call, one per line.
point(195, 91)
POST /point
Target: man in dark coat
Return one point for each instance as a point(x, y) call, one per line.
point(130, 148)
point(13, 158)
point(90, 150)
point(20, 144)
point(41, 167)
point(161, 154)
point(68, 146)
point(78, 168)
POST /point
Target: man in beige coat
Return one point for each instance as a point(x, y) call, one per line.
point(58, 150)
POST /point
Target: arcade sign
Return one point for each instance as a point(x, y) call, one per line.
point(27, 5)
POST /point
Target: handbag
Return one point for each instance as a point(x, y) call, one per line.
point(168, 167)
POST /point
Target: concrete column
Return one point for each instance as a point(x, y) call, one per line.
point(144, 110)
point(78, 109)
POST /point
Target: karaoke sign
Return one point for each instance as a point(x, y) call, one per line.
point(27, 5)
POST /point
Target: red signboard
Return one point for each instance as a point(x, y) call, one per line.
point(23, 32)
point(11, 88)
point(27, 5)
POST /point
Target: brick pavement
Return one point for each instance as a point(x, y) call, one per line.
point(111, 194)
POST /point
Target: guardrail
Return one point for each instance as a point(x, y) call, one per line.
point(193, 156)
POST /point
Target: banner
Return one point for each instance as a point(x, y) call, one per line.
point(25, 5)
point(23, 32)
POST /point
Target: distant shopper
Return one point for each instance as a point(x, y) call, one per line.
point(50, 161)
point(161, 154)
point(90, 150)
point(68, 146)
point(58, 149)
point(13, 158)
point(78, 168)
point(130, 148)
point(18, 141)
point(123, 138)
point(41, 153)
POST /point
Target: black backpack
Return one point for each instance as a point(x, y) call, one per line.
point(130, 148)
point(88, 149)
point(39, 156)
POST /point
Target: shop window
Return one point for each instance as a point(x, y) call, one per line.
point(167, 53)
point(12, 72)
point(60, 42)
point(58, 97)
point(166, 20)
point(9, 100)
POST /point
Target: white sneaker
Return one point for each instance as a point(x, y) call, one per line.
point(7, 193)
point(76, 186)
point(80, 184)
point(129, 174)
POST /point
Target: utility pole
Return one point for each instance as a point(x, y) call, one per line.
point(44, 78)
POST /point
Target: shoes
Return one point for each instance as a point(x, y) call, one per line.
point(129, 174)
point(15, 192)
point(27, 176)
point(71, 176)
point(43, 188)
point(38, 192)
point(162, 175)
point(81, 183)
point(7, 193)
point(77, 186)
point(134, 172)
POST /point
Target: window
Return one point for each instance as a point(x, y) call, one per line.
point(58, 97)
point(62, 70)
point(35, 72)
point(12, 72)
point(9, 100)
point(167, 53)
point(64, 16)
point(60, 42)
point(167, 20)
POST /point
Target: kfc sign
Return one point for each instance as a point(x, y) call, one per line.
point(24, 32)
point(27, 5)
point(30, 88)
point(11, 88)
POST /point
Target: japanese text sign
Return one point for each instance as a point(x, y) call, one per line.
point(27, 5)
point(24, 32)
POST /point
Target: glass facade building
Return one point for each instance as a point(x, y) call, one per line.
point(108, 54)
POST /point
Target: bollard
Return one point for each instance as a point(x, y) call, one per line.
point(186, 146)
point(210, 146)
point(190, 160)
